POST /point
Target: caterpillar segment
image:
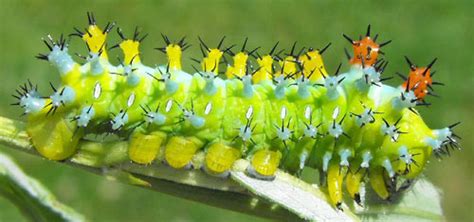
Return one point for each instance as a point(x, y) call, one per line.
point(285, 114)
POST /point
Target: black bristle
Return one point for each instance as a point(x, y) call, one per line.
point(385, 43)
point(412, 66)
point(347, 54)
point(324, 49)
point(348, 38)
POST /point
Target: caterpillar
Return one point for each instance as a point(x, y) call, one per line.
point(277, 111)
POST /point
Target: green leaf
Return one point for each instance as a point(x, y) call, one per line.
point(420, 203)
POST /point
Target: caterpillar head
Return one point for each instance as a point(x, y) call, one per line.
point(366, 50)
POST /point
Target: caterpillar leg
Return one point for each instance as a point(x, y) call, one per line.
point(54, 137)
point(377, 182)
point(179, 151)
point(143, 148)
point(264, 164)
point(353, 181)
point(334, 179)
point(220, 158)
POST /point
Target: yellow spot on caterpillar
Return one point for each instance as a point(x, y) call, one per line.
point(312, 62)
point(173, 52)
point(265, 162)
point(288, 66)
point(266, 70)
point(53, 136)
point(143, 148)
point(239, 67)
point(220, 157)
point(179, 151)
point(130, 51)
point(95, 39)
point(377, 181)
point(335, 176)
point(211, 62)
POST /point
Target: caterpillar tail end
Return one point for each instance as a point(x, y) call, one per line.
point(54, 137)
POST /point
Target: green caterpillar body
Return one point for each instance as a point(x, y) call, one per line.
point(349, 126)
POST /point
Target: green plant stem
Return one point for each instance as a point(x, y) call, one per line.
point(31, 198)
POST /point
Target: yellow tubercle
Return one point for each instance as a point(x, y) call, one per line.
point(334, 178)
point(220, 157)
point(131, 52)
point(179, 151)
point(266, 162)
point(313, 65)
point(143, 148)
point(288, 66)
point(239, 68)
point(173, 52)
point(211, 62)
point(265, 71)
point(377, 182)
point(95, 39)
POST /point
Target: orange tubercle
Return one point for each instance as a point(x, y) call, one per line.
point(366, 51)
point(418, 80)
